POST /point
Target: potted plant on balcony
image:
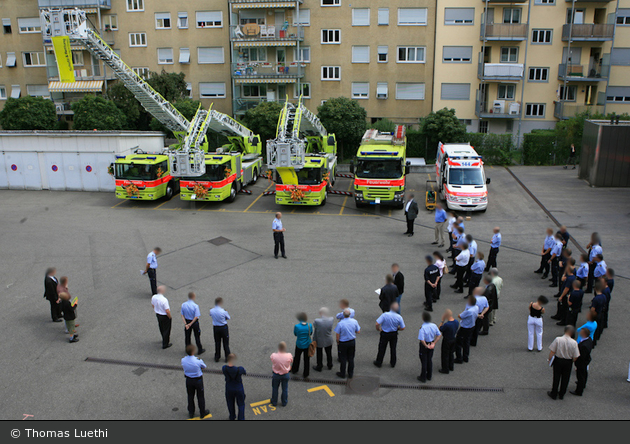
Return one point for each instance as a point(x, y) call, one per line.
point(108, 28)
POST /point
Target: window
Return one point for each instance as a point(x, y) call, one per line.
point(304, 55)
point(411, 54)
point(331, 36)
point(544, 2)
point(255, 54)
point(620, 57)
point(165, 56)
point(135, 5)
point(331, 72)
point(534, 110)
point(360, 90)
point(16, 91)
point(409, 91)
point(162, 20)
point(304, 19)
point(360, 54)
point(110, 22)
point(3, 92)
point(37, 90)
point(212, 90)
point(623, 16)
point(142, 72)
point(11, 60)
point(569, 93)
point(383, 16)
point(0, 60)
point(182, 20)
point(6, 27)
point(538, 74)
point(210, 19)
point(210, 55)
point(33, 59)
point(137, 39)
point(254, 91)
point(483, 126)
point(360, 16)
point(459, 16)
point(77, 58)
point(509, 54)
point(29, 25)
point(412, 16)
point(509, 126)
point(382, 90)
point(184, 55)
point(620, 94)
point(541, 36)
point(331, 2)
point(506, 91)
point(304, 90)
point(382, 54)
point(189, 89)
point(511, 15)
point(455, 91)
point(457, 54)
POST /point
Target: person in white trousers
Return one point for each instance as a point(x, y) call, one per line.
point(535, 322)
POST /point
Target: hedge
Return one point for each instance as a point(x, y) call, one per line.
point(540, 147)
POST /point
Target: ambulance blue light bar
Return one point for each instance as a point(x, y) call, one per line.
point(378, 153)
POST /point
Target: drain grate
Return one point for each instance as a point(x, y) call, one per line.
point(220, 241)
point(355, 385)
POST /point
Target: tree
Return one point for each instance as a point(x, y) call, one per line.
point(570, 131)
point(384, 126)
point(137, 117)
point(186, 106)
point(95, 112)
point(346, 119)
point(441, 126)
point(170, 85)
point(263, 120)
point(28, 113)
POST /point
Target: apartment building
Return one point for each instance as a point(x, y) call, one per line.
point(510, 67)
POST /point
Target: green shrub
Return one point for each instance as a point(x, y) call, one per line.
point(494, 148)
point(540, 148)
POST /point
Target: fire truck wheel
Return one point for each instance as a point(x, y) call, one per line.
point(325, 199)
point(255, 176)
point(233, 192)
point(169, 191)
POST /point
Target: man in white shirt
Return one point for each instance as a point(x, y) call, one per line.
point(163, 314)
point(461, 262)
point(278, 235)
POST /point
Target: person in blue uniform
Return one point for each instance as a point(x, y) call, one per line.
point(495, 243)
point(428, 335)
point(234, 391)
point(431, 277)
point(190, 315)
point(347, 330)
point(594, 248)
point(545, 254)
point(610, 278)
point(472, 249)
point(467, 318)
point(563, 299)
point(564, 261)
point(582, 272)
point(598, 306)
point(151, 268)
point(193, 367)
point(448, 328)
point(476, 273)
point(278, 235)
point(554, 260)
point(220, 329)
point(574, 302)
point(388, 324)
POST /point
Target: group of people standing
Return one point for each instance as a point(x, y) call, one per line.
point(62, 308)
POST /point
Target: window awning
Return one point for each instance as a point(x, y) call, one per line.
point(270, 42)
point(243, 5)
point(184, 55)
point(381, 89)
point(79, 86)
point(279, 80)
point(11, 59)
point(16, 91)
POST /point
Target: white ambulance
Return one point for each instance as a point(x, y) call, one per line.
point(461, 178)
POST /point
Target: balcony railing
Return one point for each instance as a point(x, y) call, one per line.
point(107, 36)
point(500, 71)
point(264, 3)
point(504, 31)
point(484, 110)
point(565, 110)
point(241, 104)
point(505, 1)
point(74, 3)
point(588, 32)
point(583, 73)
point(252, 32)
point(267, 70)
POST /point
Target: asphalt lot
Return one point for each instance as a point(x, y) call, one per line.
point(334, 252)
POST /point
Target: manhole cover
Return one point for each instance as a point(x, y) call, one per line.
point(139, 371)
point(220, 241)
point(363, 385)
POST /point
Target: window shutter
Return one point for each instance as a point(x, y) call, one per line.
point(360, 89)
point(383, 16)
point(31, 22)
point(410, 91)
point(457, 53)
point(620, 57)
point(184, 55)
point(455, 91)
point(360, 16)
point(459, 15)
point(210, 55)
point(412, 16)
point(212, 89)
point(360, 54)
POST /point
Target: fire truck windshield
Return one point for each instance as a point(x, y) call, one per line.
point(465, 176)
point(309, 176)
point(131, 171)
point(379, 168)
point(214, 173)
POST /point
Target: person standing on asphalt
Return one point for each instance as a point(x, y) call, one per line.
point(554, 260)
point(466, 326)
point(483, 306)
point(411, 212)
point(574, 301)
point(585, 347)
point(598, 307)
point(448, 328)
point(535, 322)
point(431, 279)
point(450, 228)
point(190, 315)
point(440, 262)
point(476, 273)
point(388, 324)
point(322, 335)
point(62, 287)
point(545, 254)
point(461, 261)
point(163, 314)
point(388, 294)
point(303, 332)
point(459, 239)
point(278, 235)
point(50, 294)
point(590, 324)
point(280, 366)
point(220, 329)
point(69, 316)
point(151, 269)
point(193, 367)
point(563, 352)
point(497, 281)
point(440, 221)
point(472, 251)
point(343, 304)
point(495, 243)
point(582, 272)
point(428, 335)
point(347, 330)
point(594, 248)
point(234, 391)
point(571, 160)
point(399, 282)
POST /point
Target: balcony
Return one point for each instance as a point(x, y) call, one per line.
point(590, 32)
point(508, 110)
point(566, 110)
point(249, 4)
point(252, 34)
point(583, 73)
point(265, 72)
point(103, 4)
point(240, 105)
point(505, 1)
point(106, 35)
point(501, 72)
point(589, 1)
point(504, 31)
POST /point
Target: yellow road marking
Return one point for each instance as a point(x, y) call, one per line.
point(343, 205)
point(198, 418)
point(322, 387)
point(256, 404)
point(160, 204)
point(256, 200)
point(122, 201)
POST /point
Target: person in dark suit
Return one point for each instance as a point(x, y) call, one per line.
point(50, 293)
point(389, 293)
point(411, 212)
point(585, 346)
point(490, 293)
point(399, 282)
